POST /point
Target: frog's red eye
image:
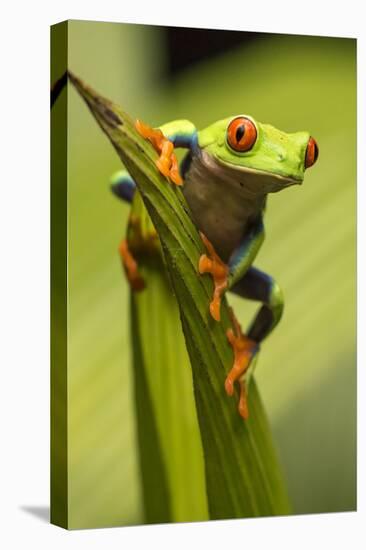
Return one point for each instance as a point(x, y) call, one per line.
point(241, 134)
point(312, 153)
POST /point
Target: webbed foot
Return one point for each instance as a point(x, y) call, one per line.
point(167, 163)
point(244, 351)
point(219, 270)
point(130, 266)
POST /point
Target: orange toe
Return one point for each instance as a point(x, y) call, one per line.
point(167, 163)
point(219, 271)
point(174, 171)
point(163, 166)
point(130, 266)
point(215, 305)
point(244, 350)
point(204, 264)
point(229, 385)
point(243, 402)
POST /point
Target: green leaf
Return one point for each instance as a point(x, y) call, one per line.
point(170, 448)
point(243, 476)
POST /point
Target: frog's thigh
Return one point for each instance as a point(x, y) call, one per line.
point(123, 186)
point(257, 285)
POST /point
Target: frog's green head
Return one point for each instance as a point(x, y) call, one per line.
point(260, 157)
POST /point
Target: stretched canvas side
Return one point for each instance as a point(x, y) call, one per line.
point(59, 484)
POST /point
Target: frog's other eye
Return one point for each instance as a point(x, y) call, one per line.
point(312, 153)
point(241, 134)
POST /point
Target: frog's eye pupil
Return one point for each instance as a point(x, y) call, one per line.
point(241, 134)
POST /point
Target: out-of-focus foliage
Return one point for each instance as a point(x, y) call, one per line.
point(293, 83)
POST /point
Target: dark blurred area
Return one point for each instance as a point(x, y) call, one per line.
point(187, 46)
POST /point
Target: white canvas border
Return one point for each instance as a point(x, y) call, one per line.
point(25, 272)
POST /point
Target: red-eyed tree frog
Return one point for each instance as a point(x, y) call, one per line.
point(229, 169)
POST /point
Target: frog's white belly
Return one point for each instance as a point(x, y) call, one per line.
point(221, 206)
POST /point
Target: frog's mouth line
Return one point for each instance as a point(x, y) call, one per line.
point(246, 181)
point(285, 181)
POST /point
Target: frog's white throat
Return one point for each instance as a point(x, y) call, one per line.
point(222, 206)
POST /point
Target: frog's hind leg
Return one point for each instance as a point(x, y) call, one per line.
point(254, 285)
point(123, 186)
point(258, 286)
point(130, 265)
point(244, 351)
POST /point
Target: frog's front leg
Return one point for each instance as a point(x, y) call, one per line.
point(179, 133)
point(213, 264)
point(225, 276)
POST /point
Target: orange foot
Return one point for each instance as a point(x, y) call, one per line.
point(130, 266)
point(167, 162)
point(244, 351)
point(219, 271)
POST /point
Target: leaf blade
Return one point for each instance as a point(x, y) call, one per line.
point(242, 472)
point(168, 379)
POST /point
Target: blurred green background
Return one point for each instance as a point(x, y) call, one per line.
point(307, 369)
